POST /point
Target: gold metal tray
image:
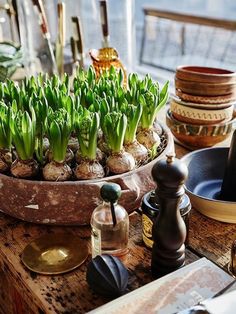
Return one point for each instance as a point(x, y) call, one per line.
point(54, 254)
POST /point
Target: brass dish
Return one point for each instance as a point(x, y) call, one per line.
point(54, 254)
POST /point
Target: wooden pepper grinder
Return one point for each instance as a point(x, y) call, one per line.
point(169, 230)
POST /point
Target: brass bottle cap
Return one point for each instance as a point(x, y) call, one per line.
point(53, 254)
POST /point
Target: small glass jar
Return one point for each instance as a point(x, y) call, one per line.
point(109, 234)
point(150, 210)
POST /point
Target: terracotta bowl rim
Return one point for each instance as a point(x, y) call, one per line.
point(190, 69)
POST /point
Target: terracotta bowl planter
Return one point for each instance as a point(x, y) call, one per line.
point(72, 202)
point(196, 136)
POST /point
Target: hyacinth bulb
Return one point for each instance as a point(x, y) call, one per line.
point(106, 275)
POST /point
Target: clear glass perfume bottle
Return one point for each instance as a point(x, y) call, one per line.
point(110, 224)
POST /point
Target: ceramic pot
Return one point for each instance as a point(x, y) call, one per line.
point(204, 181)
point(205, 74)
point(205, 89)
point(72, 202)
point(205, 99)
point(190, 115)
point(196, 136)
point(202, 106)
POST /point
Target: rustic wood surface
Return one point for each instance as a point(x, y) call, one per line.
point(22, 291)
point(68, 293)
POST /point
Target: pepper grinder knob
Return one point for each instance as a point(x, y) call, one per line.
point(169, 230)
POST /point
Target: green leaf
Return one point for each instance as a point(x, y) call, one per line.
point(28, 135)
point(114, 128)
point(164, 94)
point(55, 141)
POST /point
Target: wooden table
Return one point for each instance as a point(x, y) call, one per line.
point(22, 291)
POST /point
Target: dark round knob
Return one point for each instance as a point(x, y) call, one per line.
point(170, 172)
point(110, 192)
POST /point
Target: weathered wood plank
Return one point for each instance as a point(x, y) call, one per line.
point(190, 18)
point(212, 238)
point(22, 291)
point(68, 293)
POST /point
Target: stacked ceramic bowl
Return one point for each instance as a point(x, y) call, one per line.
point(202, 111)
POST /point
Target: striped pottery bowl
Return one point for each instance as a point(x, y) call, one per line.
point(199, 136)
point(204, 116)
point(202, 106)
point(206, 99)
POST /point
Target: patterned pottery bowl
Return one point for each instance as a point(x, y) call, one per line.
point(188, 114)
point(199, 136)
point(202, 106)
point(206, 99)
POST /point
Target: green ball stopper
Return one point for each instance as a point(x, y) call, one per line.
point(110, 192)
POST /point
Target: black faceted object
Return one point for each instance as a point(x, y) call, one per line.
point(107, 276)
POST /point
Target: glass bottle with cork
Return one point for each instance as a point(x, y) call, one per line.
point(110, 224)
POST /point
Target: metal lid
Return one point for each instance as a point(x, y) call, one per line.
point(150, 206)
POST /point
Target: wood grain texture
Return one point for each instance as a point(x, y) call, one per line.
point(212, 238)
point(68, 293)
point(22, 291)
